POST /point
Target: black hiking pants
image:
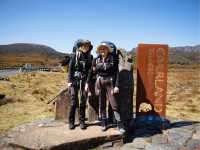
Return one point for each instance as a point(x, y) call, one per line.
point(78, 99)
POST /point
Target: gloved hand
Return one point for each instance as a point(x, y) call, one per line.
point(69, 84)
point(116, 90)
point(86, 87)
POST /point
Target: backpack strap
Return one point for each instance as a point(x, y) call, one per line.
point(97, 59)
point(90, 57)
point(77, 57)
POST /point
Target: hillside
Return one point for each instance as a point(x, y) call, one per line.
point(14, 55)
point(184, 55)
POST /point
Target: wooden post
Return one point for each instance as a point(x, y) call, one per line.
point(152, 60)
point(62, 106)
point(126, 88)
point(93, 103)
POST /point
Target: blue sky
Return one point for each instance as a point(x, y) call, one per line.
point(58, 23)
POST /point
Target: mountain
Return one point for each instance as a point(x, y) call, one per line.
point(181, 55)
point(14, 55)
point(184, 55)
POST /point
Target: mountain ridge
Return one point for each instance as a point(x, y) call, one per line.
point(184, 55)
point(18, 54)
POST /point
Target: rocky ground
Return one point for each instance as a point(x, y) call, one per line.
point(179, 135)
point(50, 134)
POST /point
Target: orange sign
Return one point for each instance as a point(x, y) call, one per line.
point(152, 62)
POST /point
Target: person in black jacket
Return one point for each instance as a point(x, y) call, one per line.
point(106, 69)
point(79, 67)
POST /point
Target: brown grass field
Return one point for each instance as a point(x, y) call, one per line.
point(28, 94)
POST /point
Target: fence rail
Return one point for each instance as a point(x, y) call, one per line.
point(4, 72)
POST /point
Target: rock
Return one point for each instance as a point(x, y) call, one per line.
point(2, 96)
point(108, 148)
point(193, 144)
point(111, 145)
point(53, 134)
point(181, 130)
point(118, 143)
point(7, 147)
point(162, 147)
point(177, 137)
point(49, 134)
point(160, 139)
point(106, 145)
point(197, 128)
point(140, 143)
point(129, 147)
point(196, 135)
point(3, 100)
point(188, 127)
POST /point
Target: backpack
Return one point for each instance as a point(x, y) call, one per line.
point(115, 53)
point(65, 61)
point(76, 53)
point(77, 44)
point(78, 62)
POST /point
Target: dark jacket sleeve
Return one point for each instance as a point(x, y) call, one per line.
point(71, 69)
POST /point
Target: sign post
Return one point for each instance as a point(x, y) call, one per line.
point(152, 62)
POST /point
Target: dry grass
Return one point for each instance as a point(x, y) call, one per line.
point(28, 93)
point(183, 98)
point(27, 96)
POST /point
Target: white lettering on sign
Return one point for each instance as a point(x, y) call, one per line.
point(159, 80)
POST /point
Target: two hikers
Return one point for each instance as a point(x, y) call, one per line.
point(82, 70)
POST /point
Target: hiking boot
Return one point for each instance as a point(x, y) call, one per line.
point(112, 120)
point(120, 127)
point(71, 126)
point(103, 125)
point(82, 125)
